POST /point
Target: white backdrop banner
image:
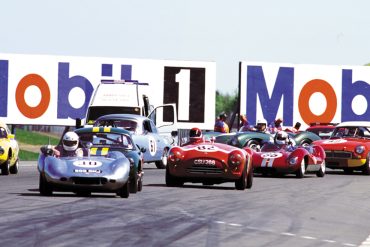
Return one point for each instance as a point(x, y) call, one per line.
point(55, 90)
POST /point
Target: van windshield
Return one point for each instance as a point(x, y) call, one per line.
point(95, 112)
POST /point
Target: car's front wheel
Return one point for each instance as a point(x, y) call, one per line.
point(5, 167)
point(124, 191)
point(301, 170)
point(250, 179)
point(14, 169)
point(172, 181)
point(241, 183)
point(320, 173)
point(366, 169)
point(134, 183)
point(45, 188)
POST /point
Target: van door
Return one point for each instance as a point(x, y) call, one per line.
point(165, 119)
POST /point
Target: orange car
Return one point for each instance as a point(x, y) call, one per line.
point(348, 147)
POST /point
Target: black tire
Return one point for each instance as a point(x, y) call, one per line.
point(83, 193)
point(124, 192)
point(241, 183)
point(134, 183)
point(348, 171)
point(5, 167)
point(366, 169)
point(250, 179)
point(15, 168)
point(161, 164)
point(302, 169)
point(140, 184)
point(45, 188)
point(253, 144)
point(321, 173)
point(172, 181)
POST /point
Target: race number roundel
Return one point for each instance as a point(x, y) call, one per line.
point(185, 86)
point(152, 146)
point(271, 155)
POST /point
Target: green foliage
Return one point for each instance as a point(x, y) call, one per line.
point(34, 138)
point(226, 102)
point(26, 155)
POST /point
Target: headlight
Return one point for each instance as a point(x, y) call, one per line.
point(293, 160)
point(1, 151)
point(175, 155)
point(235, 159)
point(359, 149)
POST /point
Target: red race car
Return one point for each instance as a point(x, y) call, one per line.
point(209, 163)
point(348, 148)
point(323, 130)
point(286, 159)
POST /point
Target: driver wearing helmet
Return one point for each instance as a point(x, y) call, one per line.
point(195, 136)
point(261, 126)
point(282, 139)
point(69, 147)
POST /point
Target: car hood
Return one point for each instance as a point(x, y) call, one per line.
point(342, 143)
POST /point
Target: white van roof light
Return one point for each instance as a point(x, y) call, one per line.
point(135, 82)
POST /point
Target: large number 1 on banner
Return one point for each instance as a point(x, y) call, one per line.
point(185, 86)
point(183, 79)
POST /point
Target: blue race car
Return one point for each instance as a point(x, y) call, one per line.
point(111, 163)
point(144, 133)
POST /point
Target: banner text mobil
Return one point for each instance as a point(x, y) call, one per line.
point(270, 90)
point(65, 84)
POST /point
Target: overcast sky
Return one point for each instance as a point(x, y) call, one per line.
point(308, 32)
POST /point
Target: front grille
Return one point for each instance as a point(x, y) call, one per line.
point(338, 154)
point(204, 170)
point(89, 181)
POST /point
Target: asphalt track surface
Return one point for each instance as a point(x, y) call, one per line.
point(277, 211)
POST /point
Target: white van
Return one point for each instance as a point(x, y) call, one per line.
point(126, 97)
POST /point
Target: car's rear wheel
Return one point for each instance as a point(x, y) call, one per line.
point(320, 173)
point(124, 192)
point(45, 188)
point(301, 170)
point(241, 183)
point(5, 167)
point(172, 181)
point(14, 169)
point(161, 164)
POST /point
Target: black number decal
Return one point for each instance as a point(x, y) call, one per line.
point(186, 87)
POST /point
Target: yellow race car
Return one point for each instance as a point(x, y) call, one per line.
point(9, 150)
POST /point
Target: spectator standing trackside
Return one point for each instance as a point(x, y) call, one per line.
point(245, 126)
point(221, 125)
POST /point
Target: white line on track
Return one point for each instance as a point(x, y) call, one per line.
point(308, 237)
point(366, 243)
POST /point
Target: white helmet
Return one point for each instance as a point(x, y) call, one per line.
point(70, 141)
point(262, 121)
point(281, 138)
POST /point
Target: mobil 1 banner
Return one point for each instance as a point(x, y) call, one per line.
point(305, 93)
point(55, 90)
